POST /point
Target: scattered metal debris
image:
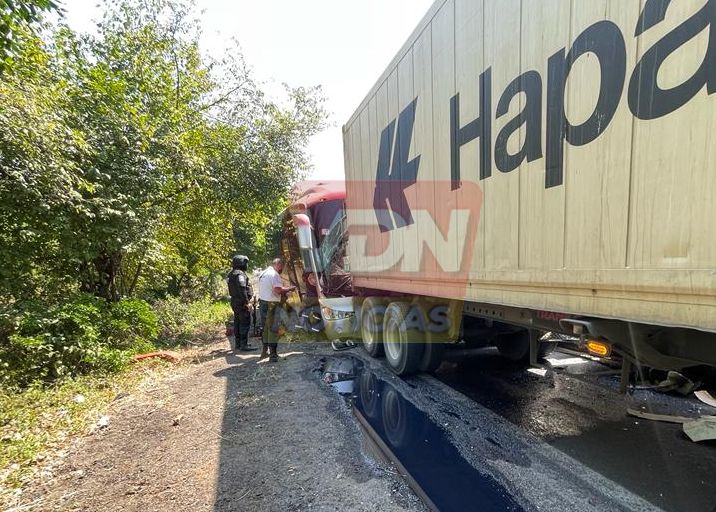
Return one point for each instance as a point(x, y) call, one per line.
point(676, 383)
point(666, 418)
point(706, 397)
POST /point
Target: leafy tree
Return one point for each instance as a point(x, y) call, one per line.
point(16, 17)
point(131, 167)
point(132, 164)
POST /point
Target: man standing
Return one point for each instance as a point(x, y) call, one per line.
point(241, 293)
point(271, 290)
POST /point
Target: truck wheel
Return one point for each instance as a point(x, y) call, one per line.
point(403, 346)
point(371, 326)
point(433, 349)
point(516, 347)
point(432, 356)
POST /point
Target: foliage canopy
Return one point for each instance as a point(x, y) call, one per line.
point(130, 161)
point(132, 166)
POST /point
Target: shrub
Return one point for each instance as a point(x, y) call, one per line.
point(132, 324)
point(82, 335)
point(180, 320)
point(173, 315)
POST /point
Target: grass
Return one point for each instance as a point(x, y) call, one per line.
point(203, 315)
point(189, 322)
point(41, 420)
point(37, 423)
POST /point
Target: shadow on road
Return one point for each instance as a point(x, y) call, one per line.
point(236, 480)
point(583, 416)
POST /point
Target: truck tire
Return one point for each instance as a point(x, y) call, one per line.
point(432, 356)
point(403, 347)
point(433, 349)
point(371, 325)
point(516, 347)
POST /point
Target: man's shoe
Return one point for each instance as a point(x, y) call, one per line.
point(264, 353)
point(273, 358)
point(248, 348)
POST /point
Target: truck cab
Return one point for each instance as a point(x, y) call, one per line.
point(315, 239)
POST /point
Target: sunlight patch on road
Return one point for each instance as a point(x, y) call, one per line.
point(572, 361)
point(247, 358)
point(541, 372)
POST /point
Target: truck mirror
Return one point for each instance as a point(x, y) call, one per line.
point(304, 232)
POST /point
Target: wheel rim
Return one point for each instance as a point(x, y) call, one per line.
point(368, 329)
point(392, 341)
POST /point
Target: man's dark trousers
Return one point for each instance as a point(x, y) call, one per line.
point(242, 324)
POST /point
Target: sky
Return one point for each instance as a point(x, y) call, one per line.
point(343, 45)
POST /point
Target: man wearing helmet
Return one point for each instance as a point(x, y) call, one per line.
point(241, 293)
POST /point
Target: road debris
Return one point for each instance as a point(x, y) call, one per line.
point(172, 357)
point(697, 429)
point(706, 397)
point(667, 418)
point(676, 383)
point(703, 429)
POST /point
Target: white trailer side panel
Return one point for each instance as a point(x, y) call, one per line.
point(627, 229)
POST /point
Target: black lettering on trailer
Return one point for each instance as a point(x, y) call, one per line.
point(530, 84)
point(380, 196)
point(478, 128)
point(605, 40)
point(391, 207)
point(646, 99)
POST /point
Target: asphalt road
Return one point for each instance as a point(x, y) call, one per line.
point(578, 410)
point(485, 431)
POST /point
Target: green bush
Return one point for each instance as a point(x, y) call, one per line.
point(181, 320)
point(173, 315)
point(80, 336)
point(132, 324)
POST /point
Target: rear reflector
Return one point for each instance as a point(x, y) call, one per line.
point(599, 348)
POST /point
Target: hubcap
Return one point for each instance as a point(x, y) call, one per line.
point(391, 339)
point(368, 326)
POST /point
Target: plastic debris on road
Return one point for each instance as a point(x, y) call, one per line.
point(703, 429)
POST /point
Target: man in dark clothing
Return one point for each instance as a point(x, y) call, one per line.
point(241, 294)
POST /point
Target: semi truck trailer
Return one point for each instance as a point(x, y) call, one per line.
point(532, 166)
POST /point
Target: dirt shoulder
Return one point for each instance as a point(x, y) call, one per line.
point(227, 433)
